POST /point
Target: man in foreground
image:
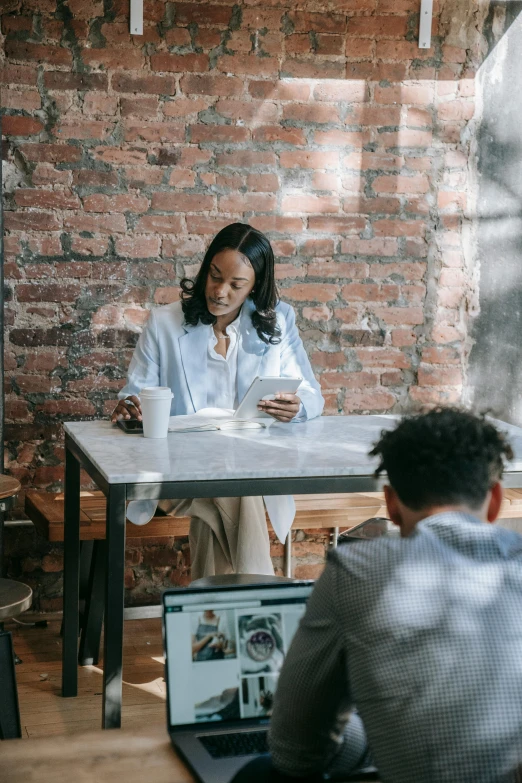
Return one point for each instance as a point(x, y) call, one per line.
point(422, 634)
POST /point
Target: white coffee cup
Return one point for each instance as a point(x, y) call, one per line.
point(155, 410)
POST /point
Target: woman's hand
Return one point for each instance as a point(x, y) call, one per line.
point(130, 408)
point(283, 408)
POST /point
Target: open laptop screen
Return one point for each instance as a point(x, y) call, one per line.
point(225, 648)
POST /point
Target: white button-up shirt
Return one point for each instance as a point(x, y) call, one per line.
point(222, 371)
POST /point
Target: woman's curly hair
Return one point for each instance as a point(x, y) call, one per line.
point(257, 249)
point(445, 457)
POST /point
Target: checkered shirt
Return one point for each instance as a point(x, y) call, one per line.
point(423, 636)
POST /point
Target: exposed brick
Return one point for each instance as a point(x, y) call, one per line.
point(248, 202)
point(211, 85)
point(138, 247)
point(206, 14)
point(127, 59)
point(219, 134)
point(404, 94)
point(248, 64)
point(99, 202)
point(67, 407)
point(349, 92)
point(341, 138)
point(84, 129)
point(130, 156)
point(337, 225)
point(306, 112)
point(31, 221)
point(246, 159)
point(168, 224)
point(66, 80)
point(300, 68)
point(102, 224)
point(26, 100)
point(439, 376)
point(49, 55)
point(182, 202)
point(99, 103)
point(182, 246)
point(309, 204)
point(312, 292)
point(20, 126)
point(383, 357)
point(407, 271)
point(150, 84)
point(46, 199)
point(400, 316)
point(167, 295)
point(277, 134)
point(95, 178)
point(399, 184)
point(371, 247)
point(154, 131)
point(267, 183)
point(184, 107)
point(182, 178)
point(337, 269)
point(179, 63)
point(309, 159)
point(19, 74)
point(284, 91)
point(368, 400)
point(51, 292)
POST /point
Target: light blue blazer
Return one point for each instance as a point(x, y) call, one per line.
point(172, 353)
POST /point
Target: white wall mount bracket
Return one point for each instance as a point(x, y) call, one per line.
point(136, 17)
point(426, 17)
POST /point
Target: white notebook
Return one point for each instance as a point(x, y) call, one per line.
point(214, 419)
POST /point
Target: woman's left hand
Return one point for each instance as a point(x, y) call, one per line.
point(283, 408)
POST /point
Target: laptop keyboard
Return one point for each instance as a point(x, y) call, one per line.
point(241, 743)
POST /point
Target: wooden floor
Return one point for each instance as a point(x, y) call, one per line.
point(44, 712)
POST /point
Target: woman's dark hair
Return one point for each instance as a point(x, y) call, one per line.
point(255, 246)
point(444, 457)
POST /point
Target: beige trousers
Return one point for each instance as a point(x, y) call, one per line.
point(227, 535)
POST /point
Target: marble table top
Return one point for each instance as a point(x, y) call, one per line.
point(326, 446)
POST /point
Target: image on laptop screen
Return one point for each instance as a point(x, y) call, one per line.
point(225, 650)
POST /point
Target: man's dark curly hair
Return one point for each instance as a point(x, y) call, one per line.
point(255, 246)
point(445, 457)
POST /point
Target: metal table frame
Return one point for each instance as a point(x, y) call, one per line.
point(117, 497)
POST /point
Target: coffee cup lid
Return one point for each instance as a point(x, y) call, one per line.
point(156, 392)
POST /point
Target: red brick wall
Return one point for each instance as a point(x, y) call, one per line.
point(321, 123)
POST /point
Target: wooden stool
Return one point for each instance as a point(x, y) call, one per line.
point(15, 598)
point(9, 487)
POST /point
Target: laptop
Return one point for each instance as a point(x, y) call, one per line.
point(224, 649)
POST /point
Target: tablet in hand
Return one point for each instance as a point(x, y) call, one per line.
point(264, 388)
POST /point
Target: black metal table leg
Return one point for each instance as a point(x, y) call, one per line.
point(114, 597)
point(71, 567)
point(93, 611)
point(9, 712)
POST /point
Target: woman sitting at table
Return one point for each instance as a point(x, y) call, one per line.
point(229, 327)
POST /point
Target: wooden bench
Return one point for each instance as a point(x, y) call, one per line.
point(46, 510)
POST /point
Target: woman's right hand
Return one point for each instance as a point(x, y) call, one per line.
point(129, 408)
